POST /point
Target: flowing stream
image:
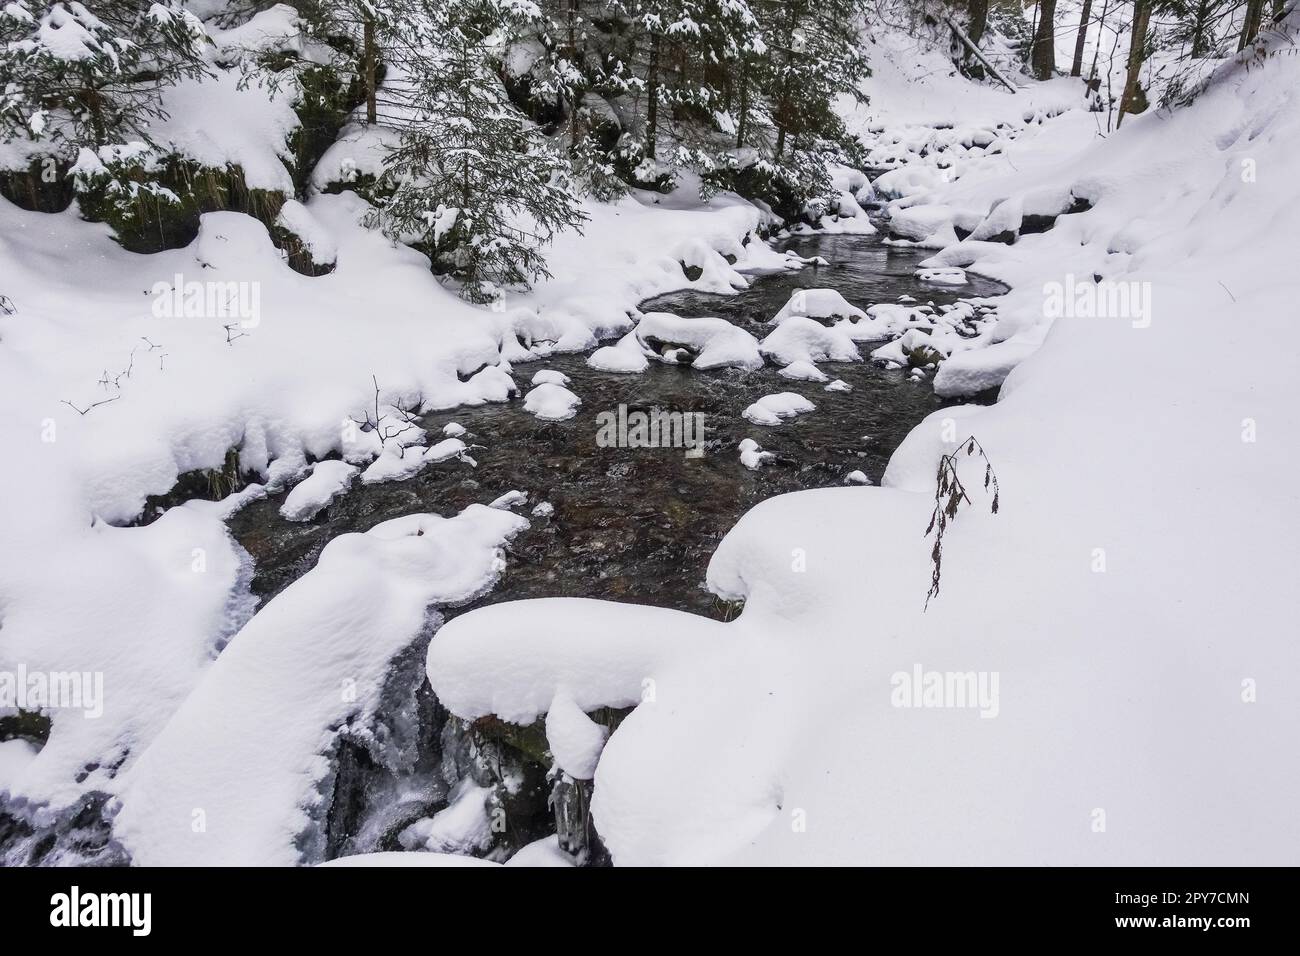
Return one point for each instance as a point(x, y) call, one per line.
point(639, 524)
point(625, 524)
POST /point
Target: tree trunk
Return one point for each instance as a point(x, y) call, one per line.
point(1043, 56)
point(1199, 31)
point(979, 19)
point(369, 54)
point(1096, 51)
point(743, 122)
point(1250, 27)
point(573, 60)
point(1136, 56)
point(652, 94)
point(1076, 68)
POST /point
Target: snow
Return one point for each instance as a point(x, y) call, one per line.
point(716, 342)
point(446, 449)
point(543, 852)
point(626, 356)
point(453, 430)
point(551, 402)
point(397, 463)
point(857, 478)
point(771, 409)
point(799, 339)
point(818, 304)
point(511, 659)
point(296, 218)
point(549, 376)
point(511, 499)
point(574, 738)
point(171, 593)
point(803, 372)
point(462, 826)
point(839, 385)
point(942, 276)
point(15, 756)
point(284, 387)
point(328, 480)
point(314, 659)
point(752, 456)
point(1128, 730)
point(1125, 594)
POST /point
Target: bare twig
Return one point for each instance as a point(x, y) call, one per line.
point(949, 493)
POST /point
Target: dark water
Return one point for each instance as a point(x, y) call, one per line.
point(640, 524)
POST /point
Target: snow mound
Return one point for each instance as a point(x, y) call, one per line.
point(328, 480)
point(551, 402)
point(704, 343)
point(625, 356)
point(818, 304)
point(574, 738)
point(512, 659)
point(546, 375)
point(446, 449)
point(771, 409)
point(752, 456)
point(803, 372)
point(951, 276)
point(799, 339)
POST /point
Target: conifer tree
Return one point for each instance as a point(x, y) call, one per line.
point(89, 79)
point(472, 180)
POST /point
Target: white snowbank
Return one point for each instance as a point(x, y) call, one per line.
point(247, 745)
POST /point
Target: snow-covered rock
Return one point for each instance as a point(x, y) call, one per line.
point(574, 738)
point(803, 372)
point(546, 375)
point(771, 409)
point(707, 342)
point(818, 304)
point(328, 480)
point(627, 355)
point(551, 402)
point(752, 456)
point(799, 339)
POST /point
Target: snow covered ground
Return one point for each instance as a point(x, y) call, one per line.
point(1106, 675)
point(1123, 618)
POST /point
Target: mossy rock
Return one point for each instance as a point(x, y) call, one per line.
point(922, 355)
point(326, 103)
point(43, 187)
point(208, 484)
point(148, 222)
